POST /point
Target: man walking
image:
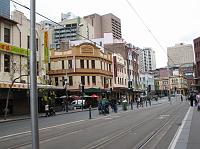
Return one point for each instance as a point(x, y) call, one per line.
point(47, 110)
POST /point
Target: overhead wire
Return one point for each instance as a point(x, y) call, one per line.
point(41, 15)
point(154, 37)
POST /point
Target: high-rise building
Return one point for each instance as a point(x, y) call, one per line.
point(107, 23)
point(180, 54)
point(147, 60)
point(73, 29)
point(5, 8)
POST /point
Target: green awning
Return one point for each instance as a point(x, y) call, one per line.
point(93, 90)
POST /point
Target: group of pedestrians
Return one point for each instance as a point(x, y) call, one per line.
point(195, 99)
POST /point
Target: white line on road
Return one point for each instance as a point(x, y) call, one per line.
point(177, 135)
point(27, 132)
point(45, 128)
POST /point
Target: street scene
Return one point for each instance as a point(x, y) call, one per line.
point(145, 127)
point(99, 74)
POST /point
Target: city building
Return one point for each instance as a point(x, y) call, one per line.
point(147, 61)
point(5, 9)
point(187, 70)
point(147, 82)
point(69, 30)
point(162, 86)
point(180, 54)
point(178, 85)
point(127, 52)
point(107, 23)
point(84, 64)
point(197, 62)
point(120, 76)
point(14, 61)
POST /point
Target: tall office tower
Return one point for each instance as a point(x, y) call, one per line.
point(147, 60)
point(5, 8)
point(107, 23)
point(180, 54)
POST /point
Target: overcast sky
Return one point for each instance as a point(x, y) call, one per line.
point(171, 21)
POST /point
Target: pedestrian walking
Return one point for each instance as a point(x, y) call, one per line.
point(138, 101)
point(198, 101)
point(181, 97)
point(47, 110)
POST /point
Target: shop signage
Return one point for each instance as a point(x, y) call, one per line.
point(13, 49)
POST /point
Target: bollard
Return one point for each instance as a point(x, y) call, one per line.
point(90, 114)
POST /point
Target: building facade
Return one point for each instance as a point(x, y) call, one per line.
point(83, 65)
point(14, 61)
point(147, 82)
point(107, 23)
point(147, 60)
point(180, 54)
point(178, 85)
point(197, 61)
point(162, 86)
point(72, 29)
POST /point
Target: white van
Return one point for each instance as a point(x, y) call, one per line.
point(78, 103)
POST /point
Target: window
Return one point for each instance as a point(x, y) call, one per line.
point(109, 67)
point(6, 63)
point(63, 65)
point(7, 35)
point(70, 80)
point(56, 81)
point(88, 64)
point(94, 80)
point(28, 42)
point(93, 64)
point(88, 80)
point(70, 64)
point(101, 65)
point(82, 63)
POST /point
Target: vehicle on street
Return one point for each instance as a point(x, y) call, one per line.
point(78, 104)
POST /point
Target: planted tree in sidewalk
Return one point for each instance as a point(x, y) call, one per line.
point(13, 70)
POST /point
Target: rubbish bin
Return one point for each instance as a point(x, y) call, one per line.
point(124, 105)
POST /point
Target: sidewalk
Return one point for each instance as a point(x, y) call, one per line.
point(187, 136)
point(24, 117)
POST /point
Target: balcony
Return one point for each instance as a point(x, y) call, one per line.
point(79, 71)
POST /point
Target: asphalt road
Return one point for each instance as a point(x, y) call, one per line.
point(151, 127)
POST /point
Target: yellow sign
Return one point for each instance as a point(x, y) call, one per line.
point(46, 49)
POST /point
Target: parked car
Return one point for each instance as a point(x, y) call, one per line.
point(78, 103)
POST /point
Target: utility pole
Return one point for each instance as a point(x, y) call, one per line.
point(33, 79)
